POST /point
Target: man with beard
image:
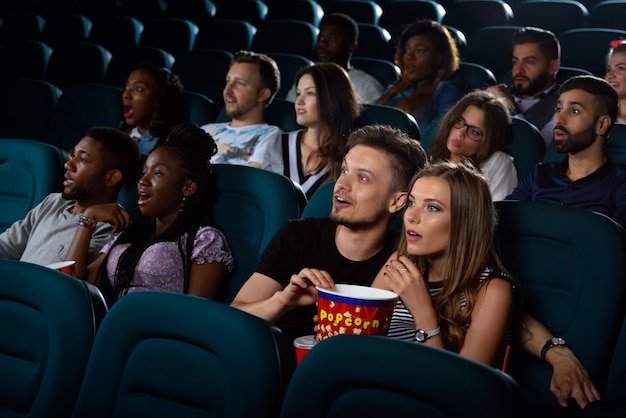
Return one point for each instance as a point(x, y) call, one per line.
point(251, 84)
point(100, 164)
point(586, 179)
point(533, 94)
point(336, 42)
point(349, 247)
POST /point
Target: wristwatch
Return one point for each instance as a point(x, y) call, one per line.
point(551, 343)
point(421, 336)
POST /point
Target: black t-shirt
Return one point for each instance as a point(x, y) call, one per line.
point(311, 243)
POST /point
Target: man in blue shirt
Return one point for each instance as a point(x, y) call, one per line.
point(587, 178)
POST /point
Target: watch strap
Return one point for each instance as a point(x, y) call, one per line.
point(427, 334)
point(547, 346)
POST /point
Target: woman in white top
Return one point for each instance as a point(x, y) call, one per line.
point(616, 74)
point(326, 107)
point(477, 128)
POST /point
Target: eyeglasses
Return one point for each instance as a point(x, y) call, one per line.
point(472, 132)
point(618, 42)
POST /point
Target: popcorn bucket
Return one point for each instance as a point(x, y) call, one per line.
point(353, 309)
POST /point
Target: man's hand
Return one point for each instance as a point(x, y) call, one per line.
point(111, 213)
point(301, 289)
point(569, 378)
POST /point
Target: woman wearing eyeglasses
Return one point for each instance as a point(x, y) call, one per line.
point(616, 74)
point(477, 128)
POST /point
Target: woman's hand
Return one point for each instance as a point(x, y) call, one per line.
point(405, 279)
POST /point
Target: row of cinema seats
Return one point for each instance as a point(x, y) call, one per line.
point(468, 20)
point(166, 354)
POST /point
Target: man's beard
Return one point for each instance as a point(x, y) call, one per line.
point(358, 224)
point(76, 193)
point(577, 142)
point(535, 86)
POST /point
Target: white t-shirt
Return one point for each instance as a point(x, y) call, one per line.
point(501, 174)
point(242, 145)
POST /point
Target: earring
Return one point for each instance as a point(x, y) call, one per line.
point(182, 206)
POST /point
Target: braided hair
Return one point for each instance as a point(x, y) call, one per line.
point(195, 148)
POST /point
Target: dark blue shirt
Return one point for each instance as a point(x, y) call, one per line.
point(602, 191)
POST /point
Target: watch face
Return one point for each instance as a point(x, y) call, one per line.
point(558, 341)
point(420, 336)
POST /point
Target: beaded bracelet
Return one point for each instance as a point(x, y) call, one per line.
point(86, 222)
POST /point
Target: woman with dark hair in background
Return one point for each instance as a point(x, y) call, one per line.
point(428, 59)
point(153, 104)
point(326, 107)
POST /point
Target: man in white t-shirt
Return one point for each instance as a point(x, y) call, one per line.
point(337, 40)
point(251, 84)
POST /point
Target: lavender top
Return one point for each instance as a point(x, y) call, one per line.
point(161, 266)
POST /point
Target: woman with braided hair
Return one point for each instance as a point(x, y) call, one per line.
point(155, 252)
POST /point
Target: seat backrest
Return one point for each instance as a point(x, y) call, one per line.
point(305, 10)
point(285, 35)
point(587, 48)
point(115, 32)
point(554, 15)
point(569, 262)
point(289, 65)
point(48, 327)
point(387, 115)
point(198, 108)
point(362, 11)
point(204, 71)
point(402, 12)
point(38, 96)
point(251, 205)
point(375, 42)
point(384, 71)
point(616, 381)
point(80, 107)
point(475, 77)
point(197, 11)
point(173, 355)
point(24, 58)
point(173, 34)
point(125, 59)
point(607, 14)
point(21, 26)
point(528, 147)
point(144, 10)
point(320, 204)
point(253, 11)
point(211, 35)
point(32, 170)
point(492, 47)
point(470, 15)
point(616, 143)
point(62, 28)
point(373, 376)
point(77, 62)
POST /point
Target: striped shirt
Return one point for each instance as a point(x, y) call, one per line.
point(402, 326)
